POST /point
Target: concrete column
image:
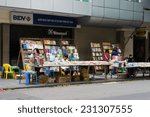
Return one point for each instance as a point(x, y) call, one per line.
point(6, 43)
point(0, 45)
point(147, 46)
point(129, 46)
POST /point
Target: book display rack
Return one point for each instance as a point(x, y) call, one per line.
point(97, 54)
point(32, 52)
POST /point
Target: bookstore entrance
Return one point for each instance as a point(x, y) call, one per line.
point(24, 31)
point(139, 49)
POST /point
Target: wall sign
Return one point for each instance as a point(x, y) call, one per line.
point(21, 18)
point(54, 32)
point(142, 33)
point(54, 20)
point(40, 19)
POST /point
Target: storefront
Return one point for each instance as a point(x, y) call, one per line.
point(141, 45)
point(81, 37)
point(87, 34)
point(35, 26)
point(91, 42)
point(24, 25)
point(139, 49)
point(23, 31)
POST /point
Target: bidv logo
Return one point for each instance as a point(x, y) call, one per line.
point(21, 18)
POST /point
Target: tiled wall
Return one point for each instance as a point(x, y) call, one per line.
point(117, 9)
point(65, 6)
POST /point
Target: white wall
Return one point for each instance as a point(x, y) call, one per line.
point(43, 5)
point(2, 2)
point(19, 3)
point(62, 6)
point(83, 8)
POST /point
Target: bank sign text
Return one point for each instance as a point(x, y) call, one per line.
point(21, 18)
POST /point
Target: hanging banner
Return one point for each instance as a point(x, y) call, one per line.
point(21, 18)
point(54, 20)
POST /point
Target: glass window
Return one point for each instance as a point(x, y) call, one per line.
point(84, 0)
point(134, 0)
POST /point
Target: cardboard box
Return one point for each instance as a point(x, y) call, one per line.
point(75, 78)
point(121, 75)
point(68, 79)
point(84, 75)
point(43, 79)
point(60, 79)
point(51, 80)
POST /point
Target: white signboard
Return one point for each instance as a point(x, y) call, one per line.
point(21, 18)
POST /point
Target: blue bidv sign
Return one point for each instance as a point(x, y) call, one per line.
point(50, 20)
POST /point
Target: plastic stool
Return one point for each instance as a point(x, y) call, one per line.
point(51, 73)
point(27, 76)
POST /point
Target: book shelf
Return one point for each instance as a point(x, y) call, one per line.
point(70, 53)
point(35, 51)
point(66, 42)
point(69, 50)
point(97, 53)
point(32, 52)
point(52, 50)
point(107, 46)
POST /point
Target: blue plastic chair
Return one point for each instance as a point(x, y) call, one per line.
point(2, 70)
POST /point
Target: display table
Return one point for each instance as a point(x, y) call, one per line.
point(77, 63)
point(140, 65)
point(117, 64)
point(86, 65)
point(133, 66)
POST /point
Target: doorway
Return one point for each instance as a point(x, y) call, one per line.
point(139, 49)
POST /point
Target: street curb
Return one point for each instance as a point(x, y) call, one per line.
point(74, 83)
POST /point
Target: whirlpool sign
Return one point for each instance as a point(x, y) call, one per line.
point(21, 18)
